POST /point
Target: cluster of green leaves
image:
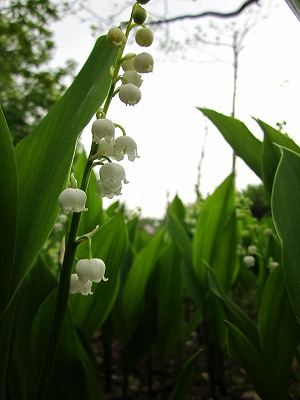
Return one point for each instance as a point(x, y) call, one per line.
point(28, 87)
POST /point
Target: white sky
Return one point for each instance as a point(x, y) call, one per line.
point(167, 127)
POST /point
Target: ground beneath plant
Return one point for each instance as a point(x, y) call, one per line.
point(147, 382)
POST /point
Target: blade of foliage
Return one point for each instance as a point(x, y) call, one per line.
point(170, 308)
point(278, 326)
point(271, 153)
point(180, 391)
point(137, 278)
point(109, 244)
point(74, 374)
point(286, 214)
point(234, 313)
point(238, 136)
point(184, 243)
point(38, 284)
point(295, 7)
point(44, 157)
point(8, 211)
point(214, 240)
point(264, 379)
point(8, 227)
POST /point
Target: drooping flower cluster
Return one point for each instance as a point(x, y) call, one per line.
point(109, 147)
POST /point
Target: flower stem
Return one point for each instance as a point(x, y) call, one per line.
point(62, 298)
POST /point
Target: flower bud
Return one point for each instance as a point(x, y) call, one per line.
point(116, 37)
point(125, 144)
point(103, 129)
point(133, 77)
point(130, 94)
point(252, 249)
point(139, 15)
point(143, 63)
point(144, 37)
point(72, 200)
point(127, 63)
point(93, 270)
point(143, 1)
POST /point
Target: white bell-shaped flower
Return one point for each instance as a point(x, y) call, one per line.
point(133, 77)
point(110, 182)
point(78, 286)
point(90, 269)
point(143, 63)
point(127, 63)
point(72, 200)
point(249, 261)
point(125, 144)
point(130, 94)
point(106, 149)
point(116, 37)
point(103, 129)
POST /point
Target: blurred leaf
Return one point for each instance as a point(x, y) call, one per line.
point(278, 327)
point(177, 208)
point(215, 237)
point(109, 244)
point(180, 391)
point(286, 214)
point(265, 381)
point(271, 153)
point(8, 211)
point(137, 279)
point(8, 228)
point(238, 136)
point(44, 157)
point(234, 313)
point(170, 300)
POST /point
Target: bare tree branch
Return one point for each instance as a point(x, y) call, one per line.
point(205, 14)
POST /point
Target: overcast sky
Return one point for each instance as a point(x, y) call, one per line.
point(167, 127)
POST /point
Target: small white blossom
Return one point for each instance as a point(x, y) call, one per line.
point(72, 200)
point(90, 270)
point(143, 63)
point(103, 129)
point(77, 286)
point(133, 77)
point(130, 94)
point(127, 63)
point(125, 144)
point(110, 182)
point(249, 261)
point(106, 149)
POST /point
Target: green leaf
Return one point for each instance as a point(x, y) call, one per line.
point(44, 157)
point(233, 312)
point(8, 227)
point(271, 153)
point(238, 136)
point(74, 375)
point(295, 7)
point(263, 378)
point(215, 236)
point(278, 327)
point(109, 244)
point(8, 211)
point(134, 288)
point(180, 391)
point(170, 307)
point(286, 214)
